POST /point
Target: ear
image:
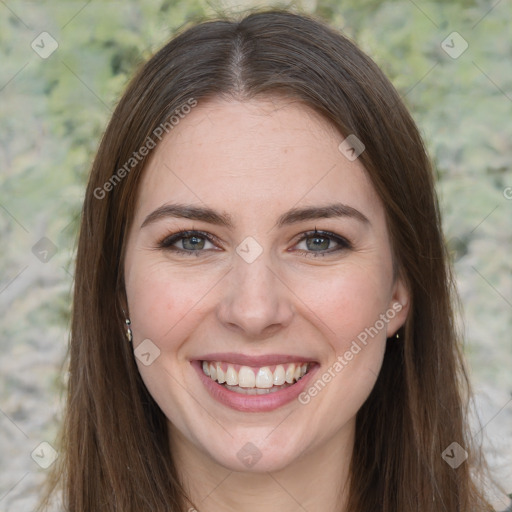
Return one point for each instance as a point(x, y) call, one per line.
point(398, 307)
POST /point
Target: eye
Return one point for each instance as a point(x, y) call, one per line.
point(191, 242)
point(319, 243)
point(314, 243)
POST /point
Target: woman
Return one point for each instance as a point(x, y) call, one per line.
point(262, 314)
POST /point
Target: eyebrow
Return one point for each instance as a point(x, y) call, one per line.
point(295, 215)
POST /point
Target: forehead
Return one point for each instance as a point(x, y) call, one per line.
point(251, 155)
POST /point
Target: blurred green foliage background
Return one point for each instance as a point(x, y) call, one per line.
point(54, 110)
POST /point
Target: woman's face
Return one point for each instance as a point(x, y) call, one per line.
point(252, 291)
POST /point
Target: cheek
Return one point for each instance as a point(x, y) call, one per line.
point(350, 310)
point(161, 299)
point(347, 309)
point(164, 306)
point(347, 300)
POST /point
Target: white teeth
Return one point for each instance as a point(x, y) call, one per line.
point(231, 376)
point(279, 375)
point(249, 378)
point(265, 378)
point(220, 375)
point(246, 378)
point(290, 373)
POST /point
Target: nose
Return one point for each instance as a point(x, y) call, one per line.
point(255, 302)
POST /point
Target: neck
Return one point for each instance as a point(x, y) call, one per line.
point(316, 480)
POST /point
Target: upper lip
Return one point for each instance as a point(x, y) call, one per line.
point(257, 361)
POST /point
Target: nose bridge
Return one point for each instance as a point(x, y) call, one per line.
point(255, 301)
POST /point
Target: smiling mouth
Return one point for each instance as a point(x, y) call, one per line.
point(249, 380)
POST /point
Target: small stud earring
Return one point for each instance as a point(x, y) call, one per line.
point(129, 334)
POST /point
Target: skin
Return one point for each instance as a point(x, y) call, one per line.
point(255, 160)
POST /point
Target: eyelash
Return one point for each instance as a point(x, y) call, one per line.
point(167, 242)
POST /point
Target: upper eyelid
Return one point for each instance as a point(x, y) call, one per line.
point(322, 233)
point(186, 233)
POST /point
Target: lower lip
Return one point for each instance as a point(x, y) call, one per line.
point(253, 403)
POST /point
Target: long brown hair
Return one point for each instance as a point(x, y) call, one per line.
point(114, 448)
